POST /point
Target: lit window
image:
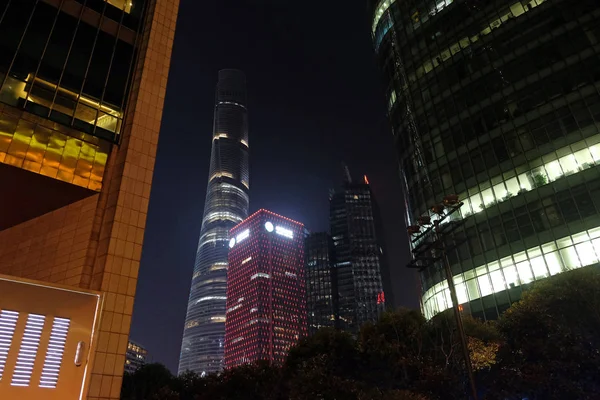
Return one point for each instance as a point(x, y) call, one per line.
point(246, 260)
point(230, 309)
point(208, 298)
point(260, 275)
point(222, 216)
point(390, 105)
point(524, 267)
point(221, 175)
point(191, 324)
point(124, 5)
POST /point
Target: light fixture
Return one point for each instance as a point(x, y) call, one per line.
point(231, 242)
point(451, 200)
point(269, 226)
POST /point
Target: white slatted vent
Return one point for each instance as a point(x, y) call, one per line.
point(28, 350)
point(54, 355)
point(8, 321)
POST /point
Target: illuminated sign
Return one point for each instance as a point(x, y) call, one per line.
point(239, 238)
point(242, 236)
point(284, 232)
point(381, 298)
point(269, 227)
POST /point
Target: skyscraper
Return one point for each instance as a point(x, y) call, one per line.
point(322, 302)
point(226, 205)
point(498, 103)
point(266, 295)
point(82, 86)
point(359, 258)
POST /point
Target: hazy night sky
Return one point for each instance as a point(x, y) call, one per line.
point(315, 100)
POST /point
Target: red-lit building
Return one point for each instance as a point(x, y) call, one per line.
point(266, 294)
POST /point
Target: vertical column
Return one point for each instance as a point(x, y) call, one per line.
point(113, 263)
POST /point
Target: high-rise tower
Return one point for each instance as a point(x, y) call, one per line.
point(266, 295)
point(498, 103)
point(321, 282)
point(226, 205)
point(359, 258)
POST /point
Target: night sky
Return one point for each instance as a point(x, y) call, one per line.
point(315, 101)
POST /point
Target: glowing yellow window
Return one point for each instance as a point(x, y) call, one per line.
point(122, 4)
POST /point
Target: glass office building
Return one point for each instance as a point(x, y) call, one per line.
point(499, 103)
point(359, 258)
point(321, 282)
point(266, 294)
point(226, 205)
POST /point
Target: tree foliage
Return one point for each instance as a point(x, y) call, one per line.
point(546, 346)
point(552, 339)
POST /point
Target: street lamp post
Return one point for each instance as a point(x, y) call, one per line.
point(449, 206)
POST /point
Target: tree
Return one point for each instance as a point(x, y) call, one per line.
point(257, 381)
point(552, 339)
point(151, 381)
point(324, 366)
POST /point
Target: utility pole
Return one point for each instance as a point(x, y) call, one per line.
point(449, 206)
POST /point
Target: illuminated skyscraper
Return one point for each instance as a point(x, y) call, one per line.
point(266, 296)
point(497, 102)
point(359, 258)
point(82, 86)
point(226, 205)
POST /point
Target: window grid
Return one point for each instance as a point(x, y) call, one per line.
point(508, 119)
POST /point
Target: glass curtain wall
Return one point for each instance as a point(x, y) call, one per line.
point(497, 102)
point(70, 62)
point(226, 205)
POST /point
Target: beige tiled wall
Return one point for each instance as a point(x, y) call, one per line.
point(121, 218)
point(51, 248)
point(96, 243)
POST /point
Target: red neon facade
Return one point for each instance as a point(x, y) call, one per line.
point(266, 294)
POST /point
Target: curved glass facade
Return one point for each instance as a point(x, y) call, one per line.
point(499, 102)
point(226, 205)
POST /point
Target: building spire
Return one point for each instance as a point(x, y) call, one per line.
point(348, 177)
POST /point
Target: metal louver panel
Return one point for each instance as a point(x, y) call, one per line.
point(54, 354)
point(8, 321)
point(28, 351)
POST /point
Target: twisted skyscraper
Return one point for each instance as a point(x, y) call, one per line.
point(226, 205)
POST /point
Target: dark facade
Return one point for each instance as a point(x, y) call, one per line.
point(72, 64)
point(358, 255)
point(135, 357)
point(497, 102)
point(321, 282)
point(266, 293)
point(226, 205)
